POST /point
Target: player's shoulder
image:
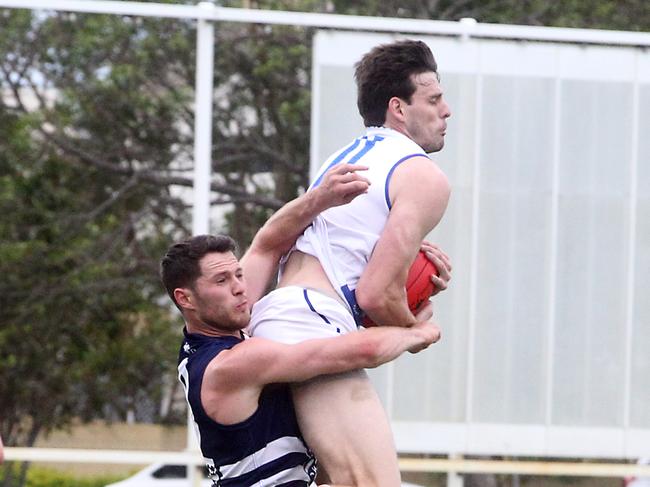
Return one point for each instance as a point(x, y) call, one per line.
point(417, 175)
point(420, 166)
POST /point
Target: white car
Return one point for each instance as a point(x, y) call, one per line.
point(160, 475)
point(168, 475)
point(638, 481)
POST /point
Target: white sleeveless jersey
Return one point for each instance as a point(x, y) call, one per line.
point(343, 237)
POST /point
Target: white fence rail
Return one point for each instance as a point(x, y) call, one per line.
point(542, 468)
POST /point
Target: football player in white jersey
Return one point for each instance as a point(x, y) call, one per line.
point(353, 260)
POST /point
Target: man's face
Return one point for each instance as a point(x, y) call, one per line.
point(426, 115)
point(220, 293)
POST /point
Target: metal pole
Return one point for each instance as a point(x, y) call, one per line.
point(454, 479)
point(203, 123)
point(202, 167)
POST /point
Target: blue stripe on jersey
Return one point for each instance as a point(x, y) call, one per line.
point(311, 307)
point(351, 298)
point(338, 159)
point(390, 175)
point(286, 462)
point(369, 144)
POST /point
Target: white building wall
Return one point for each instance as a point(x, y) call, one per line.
point(546, 326)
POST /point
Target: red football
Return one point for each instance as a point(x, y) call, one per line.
point(418, 285)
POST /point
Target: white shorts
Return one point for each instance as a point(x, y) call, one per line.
point(293, 314)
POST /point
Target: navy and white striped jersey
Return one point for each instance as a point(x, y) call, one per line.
point(266, 449)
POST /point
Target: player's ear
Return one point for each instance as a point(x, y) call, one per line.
point(184, 297)
point(395, 108)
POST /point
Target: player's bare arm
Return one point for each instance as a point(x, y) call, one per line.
point(235, 378)
point(340, 185)
point(419, 193)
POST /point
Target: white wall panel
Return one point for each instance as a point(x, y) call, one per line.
point(640, 334)
point(546, 326)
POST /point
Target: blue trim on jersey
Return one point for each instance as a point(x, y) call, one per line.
point(338, 159)
point(390, 175)
point(351, 298)
point(311, 307)
point(369, 144)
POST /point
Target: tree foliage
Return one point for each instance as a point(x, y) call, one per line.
point(96, 114)
point(631, 15)
point(80, 329)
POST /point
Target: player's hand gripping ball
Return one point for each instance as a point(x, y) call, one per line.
point(419, 287)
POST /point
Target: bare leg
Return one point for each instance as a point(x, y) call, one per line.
point(346, 427)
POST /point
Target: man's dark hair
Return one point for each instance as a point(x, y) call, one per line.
point(385, 72)
point(180, 265)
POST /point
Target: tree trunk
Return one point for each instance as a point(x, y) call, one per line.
point(21, 471)
point(7, 471)
point(22, 474)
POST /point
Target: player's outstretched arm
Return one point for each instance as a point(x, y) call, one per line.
point(276, 362)
point(340, 185)
point(419, 193)
point(234, 379)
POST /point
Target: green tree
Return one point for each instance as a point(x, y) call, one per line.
point(84, 221)
point(96, 114)
point(631, 15)
point(80, 331)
